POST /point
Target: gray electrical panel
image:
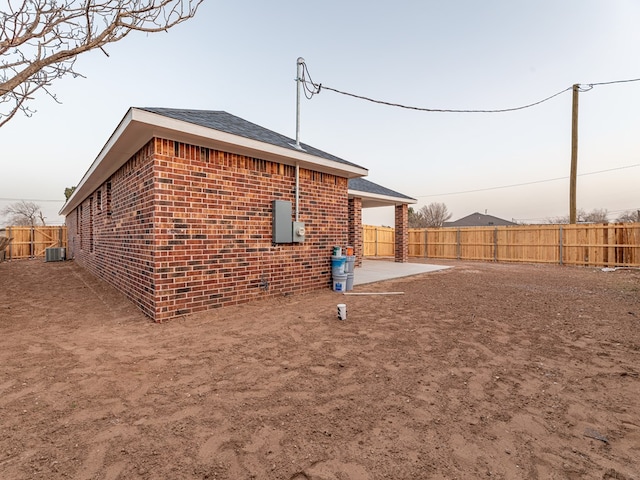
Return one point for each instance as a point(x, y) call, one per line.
point(282, 223)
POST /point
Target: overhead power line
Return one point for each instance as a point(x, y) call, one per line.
point(441, 110)
point(614, 81)
point(311, 88)
point(526, 183)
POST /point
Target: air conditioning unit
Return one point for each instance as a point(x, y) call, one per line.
point(55, 254)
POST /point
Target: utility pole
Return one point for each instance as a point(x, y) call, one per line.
point(300, 65)
point(574, 156)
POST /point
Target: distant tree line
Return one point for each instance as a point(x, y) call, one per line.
point(435, 215)
point(629, 216)
point(598, 215)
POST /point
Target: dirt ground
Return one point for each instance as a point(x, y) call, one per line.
point(479, 371)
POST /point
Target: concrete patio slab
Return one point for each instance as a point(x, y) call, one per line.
point(378, 270)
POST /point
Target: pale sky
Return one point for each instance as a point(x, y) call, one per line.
point(240, 56)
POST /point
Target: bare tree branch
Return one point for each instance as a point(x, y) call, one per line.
point(630, 216)
point(435, 214)
point(429, 216)
point(41, 39)
point(597, 215)
point(23, 213)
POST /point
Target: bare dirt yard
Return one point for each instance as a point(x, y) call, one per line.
point(479, 371)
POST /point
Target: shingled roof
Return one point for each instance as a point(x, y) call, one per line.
point(374, 195)
point(479, 220)
point(225, 122)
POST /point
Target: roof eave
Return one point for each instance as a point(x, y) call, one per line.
point(371, 200)
point(139, 126)
point(99, 167)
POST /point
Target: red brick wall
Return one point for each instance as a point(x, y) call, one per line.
point(115, 238)
point(190, 229)
point(402, 233)
point(355, 229)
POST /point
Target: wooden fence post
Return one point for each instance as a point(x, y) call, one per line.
point(611, 239)
point(560, 245)
point(376, 250)
point(426, 243)
point(458, 246)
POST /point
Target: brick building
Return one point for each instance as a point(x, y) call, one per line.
point(179, 211)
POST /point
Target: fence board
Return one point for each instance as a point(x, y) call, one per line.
point(611, 245)
point(28, 242)
point(378, 241)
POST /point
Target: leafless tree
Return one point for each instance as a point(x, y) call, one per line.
point(435, 214)
point(41, 39)
point(597, 215)
point(23, 213)
point(580, 214)
point(629, 216)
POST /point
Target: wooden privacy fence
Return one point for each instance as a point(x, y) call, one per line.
point(378, 241)
point(609, 244)
point(28, 242)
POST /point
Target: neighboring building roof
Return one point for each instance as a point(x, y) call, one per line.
point(479, 220)
point(374, 195)
point(211, 129)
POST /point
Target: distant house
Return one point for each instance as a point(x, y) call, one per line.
point(479, 220)
point(189, 210)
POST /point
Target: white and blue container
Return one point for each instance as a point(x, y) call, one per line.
point(338, 264)
point(340, 283)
